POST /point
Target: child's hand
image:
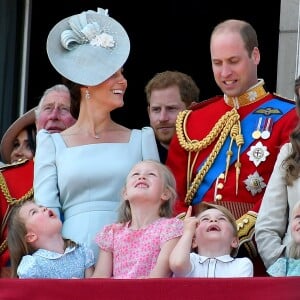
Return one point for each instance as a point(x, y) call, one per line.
point(189, 212)
point(190, 222)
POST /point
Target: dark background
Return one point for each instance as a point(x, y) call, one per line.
point(165, 35)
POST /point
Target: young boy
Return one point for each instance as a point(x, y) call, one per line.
point(213, 235)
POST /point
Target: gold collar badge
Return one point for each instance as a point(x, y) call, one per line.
point(252, 95)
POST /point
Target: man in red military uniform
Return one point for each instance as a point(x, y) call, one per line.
point(16, 179)
point(225, 148)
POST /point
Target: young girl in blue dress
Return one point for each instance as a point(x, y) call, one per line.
point(38, 249)
point(290, 264)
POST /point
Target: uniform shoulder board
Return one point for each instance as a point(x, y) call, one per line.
point(15, 164)
point(284, 98)
point(203, 103)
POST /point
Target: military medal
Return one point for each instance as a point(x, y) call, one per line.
point(254, 183)
point(256, 133)
point(267, 129)
point(258, 153)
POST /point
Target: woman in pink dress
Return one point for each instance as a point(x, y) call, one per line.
point(139, 245)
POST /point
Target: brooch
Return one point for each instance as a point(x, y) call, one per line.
point(258, 153)
point(254, 183)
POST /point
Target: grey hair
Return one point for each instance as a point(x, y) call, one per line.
point(56, 88)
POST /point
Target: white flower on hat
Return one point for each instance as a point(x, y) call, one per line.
point(82, 32)
point(104, 40)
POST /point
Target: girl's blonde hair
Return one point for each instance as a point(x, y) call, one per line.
point(166, 208)
point(293, 250)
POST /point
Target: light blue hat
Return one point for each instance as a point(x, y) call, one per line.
point(88, 48)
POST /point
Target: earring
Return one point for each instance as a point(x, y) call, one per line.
point(87, 95)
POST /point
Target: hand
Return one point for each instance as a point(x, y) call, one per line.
point(190, 222)
point(182, 215)
point(188, 212)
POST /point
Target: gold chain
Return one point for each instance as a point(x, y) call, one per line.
point(224, 126)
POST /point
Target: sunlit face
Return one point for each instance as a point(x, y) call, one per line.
point(55, 113)
point(39, 220)
point(215, 226)
point(21, 149)
point(234, 71)
point(164, 106)
point(145, 182)
point(110, 92)
point(295, 226)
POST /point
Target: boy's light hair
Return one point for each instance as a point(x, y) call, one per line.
point(205, 206)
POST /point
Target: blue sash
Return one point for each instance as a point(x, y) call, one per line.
point(219, 166)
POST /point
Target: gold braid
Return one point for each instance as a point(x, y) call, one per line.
point(227, 124)
point(11, 202)
point(3, 246)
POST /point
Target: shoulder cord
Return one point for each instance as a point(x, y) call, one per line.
point(11, 202)
point(227, 124)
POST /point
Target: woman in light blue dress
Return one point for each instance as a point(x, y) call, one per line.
point(80, 172)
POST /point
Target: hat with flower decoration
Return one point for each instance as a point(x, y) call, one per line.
point(89, 47)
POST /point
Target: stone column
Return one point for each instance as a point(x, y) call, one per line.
point(288, 67)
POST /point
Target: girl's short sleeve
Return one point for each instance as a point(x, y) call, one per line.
point(173, 229)
point(104, 239)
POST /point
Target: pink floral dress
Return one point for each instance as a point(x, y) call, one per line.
point(135, 251)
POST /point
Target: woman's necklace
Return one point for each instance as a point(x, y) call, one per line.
point(95, 136)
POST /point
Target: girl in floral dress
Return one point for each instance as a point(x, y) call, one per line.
point(139, 245)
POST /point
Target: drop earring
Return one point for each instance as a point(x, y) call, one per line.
point(87, 95)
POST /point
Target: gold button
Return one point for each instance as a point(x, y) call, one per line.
point(220, 186)
point(222, 176)
point(219, 197)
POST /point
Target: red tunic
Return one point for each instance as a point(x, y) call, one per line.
point(18, 178)
point(200, 122)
